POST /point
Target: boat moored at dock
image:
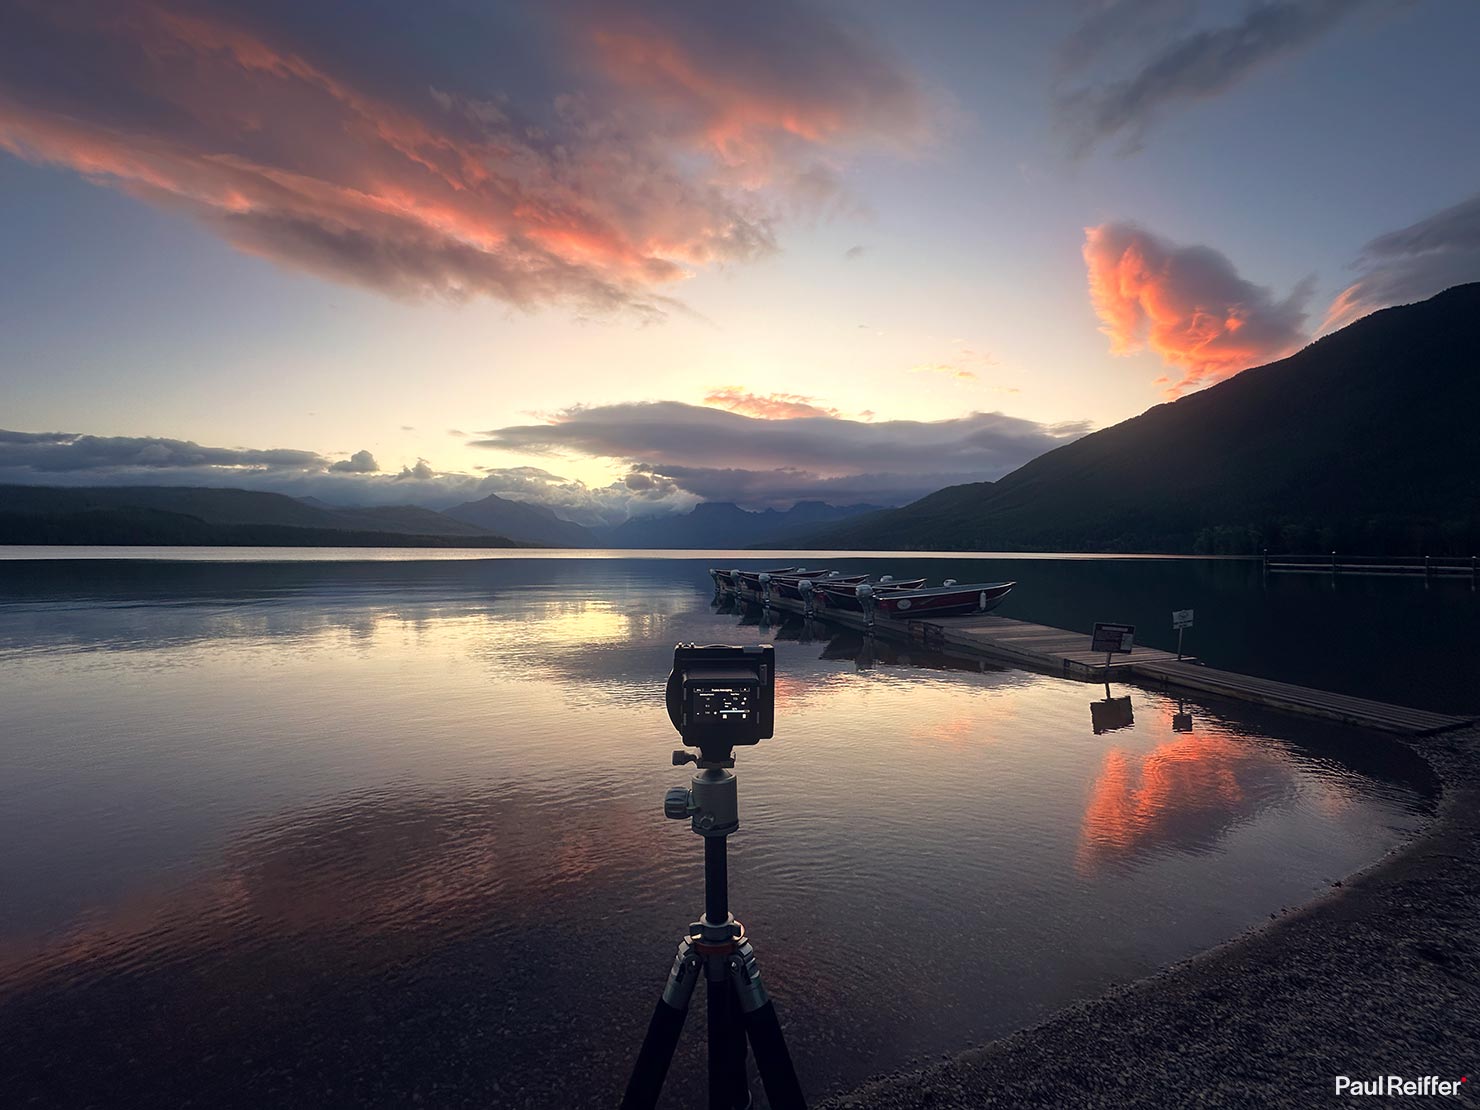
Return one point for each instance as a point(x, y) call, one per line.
point(896, 599)
point(951, 600)
point(854, 598)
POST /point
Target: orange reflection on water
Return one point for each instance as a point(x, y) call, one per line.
point(1184, 794)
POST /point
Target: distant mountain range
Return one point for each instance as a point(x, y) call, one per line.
point(523, 520)
point(197, 515)
point(717, 524)
point(1366, 440)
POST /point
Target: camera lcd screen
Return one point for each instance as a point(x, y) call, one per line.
point(722, 704)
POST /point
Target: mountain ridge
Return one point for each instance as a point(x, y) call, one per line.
point(1361, 440)
point(217, 516)
point(522, 520)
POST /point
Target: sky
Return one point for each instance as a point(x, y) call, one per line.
point(620, 257)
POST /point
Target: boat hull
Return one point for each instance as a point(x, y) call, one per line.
point(946, 603)
point(847, 597)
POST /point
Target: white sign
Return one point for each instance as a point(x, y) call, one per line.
point(1181, 618)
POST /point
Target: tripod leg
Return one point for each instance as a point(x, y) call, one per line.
point(739, 1051)
point(662, 1035)
point(728, 1089)
point(758, 1014)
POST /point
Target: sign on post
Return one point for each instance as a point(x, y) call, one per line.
point(1113, 638)
point(1181, 620)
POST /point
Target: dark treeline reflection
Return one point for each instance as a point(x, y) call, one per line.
point(341, 835)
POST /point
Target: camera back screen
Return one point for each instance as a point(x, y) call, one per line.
point(721, 705)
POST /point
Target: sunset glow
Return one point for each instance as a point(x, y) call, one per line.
point(295, 235)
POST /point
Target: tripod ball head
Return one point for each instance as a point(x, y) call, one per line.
point(710, 802)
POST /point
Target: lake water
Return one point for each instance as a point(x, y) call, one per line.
point(316, 833)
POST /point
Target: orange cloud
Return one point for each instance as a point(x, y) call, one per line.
point(768, 406)
point(294, 155)
point(1187, 304)
point(762, 85)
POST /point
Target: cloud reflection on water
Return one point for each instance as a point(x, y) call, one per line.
point(1183, 795)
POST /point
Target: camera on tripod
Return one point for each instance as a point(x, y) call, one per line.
point(721, 696)
point(717, 697)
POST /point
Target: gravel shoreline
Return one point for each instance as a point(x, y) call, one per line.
point(1380, 977)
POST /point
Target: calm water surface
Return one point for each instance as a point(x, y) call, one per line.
point(323, 834)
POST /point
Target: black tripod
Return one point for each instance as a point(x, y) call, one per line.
point(717, 947)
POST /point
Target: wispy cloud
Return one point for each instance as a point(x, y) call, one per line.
point(1195, 64)
point(950, 370)
point(1413, 263)
point(1187, 304)
point(729, 456)
point(766, 406)
point(625, 144)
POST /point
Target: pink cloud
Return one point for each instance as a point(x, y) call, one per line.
point(768, 406)
point(758, 85)
point(1186, 304)
point(593, 195)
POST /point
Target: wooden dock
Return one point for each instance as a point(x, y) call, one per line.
point(1299, 699)
point(1032, 645)
point(1410, 566)
point(1063, 652)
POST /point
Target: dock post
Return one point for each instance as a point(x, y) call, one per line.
point(1333, 564)
point(1473, 572)
point(1264, 562)
point(1428, 570)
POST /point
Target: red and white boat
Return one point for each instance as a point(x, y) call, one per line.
point(846, 596)
point(953, 600)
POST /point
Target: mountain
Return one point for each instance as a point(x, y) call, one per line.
point(522, 521)
point(1363, 441)
point(204, 515)
point(407, 519)
point(716, 524)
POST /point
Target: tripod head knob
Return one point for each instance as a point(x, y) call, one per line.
point(676, 804)
point(680, 757)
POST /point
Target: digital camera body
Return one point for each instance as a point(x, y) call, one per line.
point(721, 697)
